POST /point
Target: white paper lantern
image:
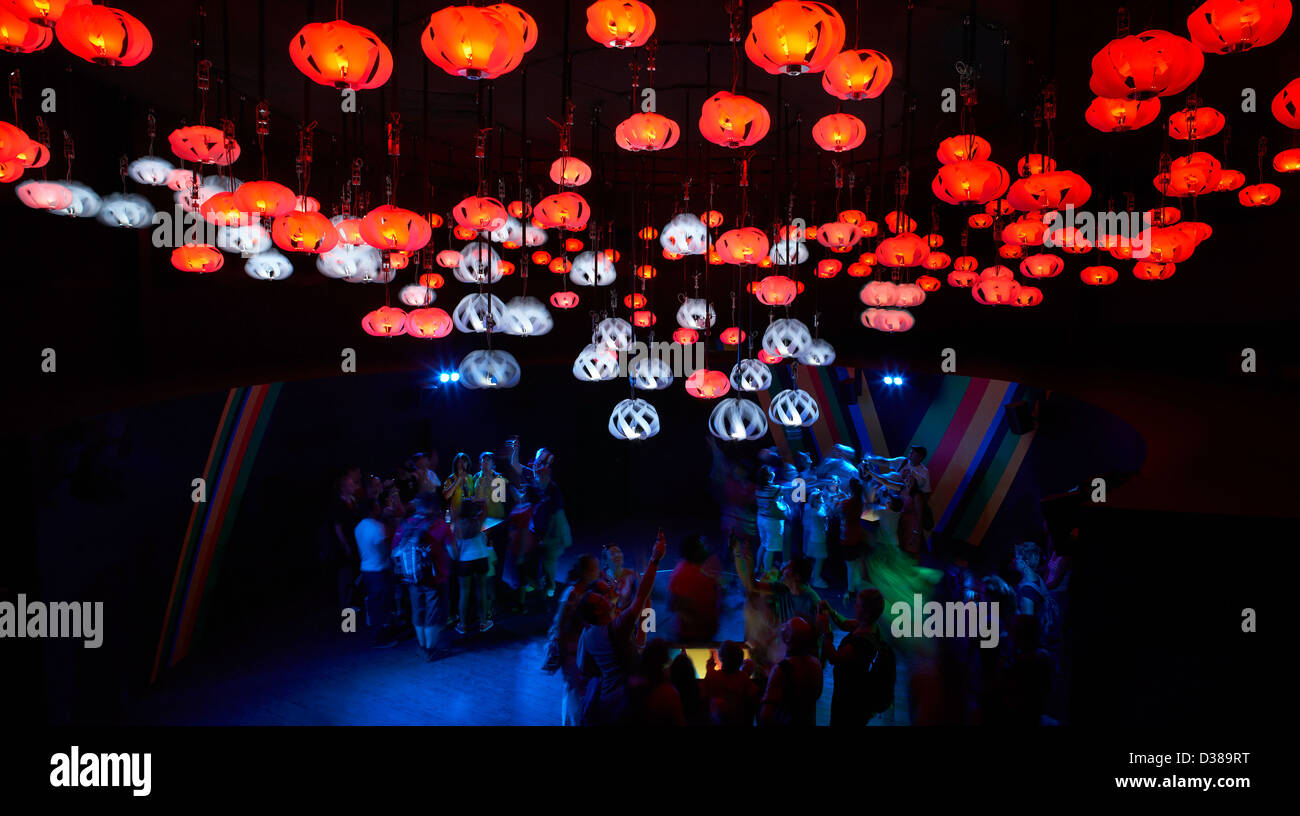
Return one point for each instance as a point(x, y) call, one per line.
point(596, 363)
point(685, 234)
point(696, 313)
point(909, 294)
point(479, 313)
point(150, 170)
point(246, 239)
point(818, 353)
point(592, 269)
point(359, 264)
point(512, 230)
point(650, 373)
point(534, 236)
point(479, 263)
point(527, 317)
point(879, 293)
point(793, 408)
point(787, 252)
point(737, 419)
point(489, 369)
point(634, 419)
point(417, 296)
point(614, 332)
point(85, 201)
point(751, 375)
point(786, 337)
point(181, 179)
point(126, 210)
point(269, 265)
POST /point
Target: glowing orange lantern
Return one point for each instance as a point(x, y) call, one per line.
point(1198, 231)
point(1229, 180)
point(1041, 266)
point(1028, 296)
point(1141, 66)
point(962, 278)
point(399, 260)
point(265, 198)
point(560, 266)
point(646, 272)
point(767, 357)
point(1072, 240)
point(1011, 251)
point(647, 233)
point(776, 290)
point(464, 233)
point(197, 258)
point(572, 244)
point(1098, 275)
point(349, 230)
point(1190, 124)
point(620, 23)
point(1287, 161)
point(905, 249)
point(746, 245)
point(838, 132)
point(448, 259)
point(428, 323)
point(643, 319)
point(1035, 163)
point(857, 74)
point(386, 321)
point(299, 231)
point(928, 283)
point(21, 36)
point(541, 257)
point(221, 209)
point(564, 300)
point(976, 181)
point(476, 43)
point(395, 229)
point(104, 35)
point(854, 217)
point(636, 300)
point(838, 236)
point(898, 222)
point(519, 209)
point(995, 291)
point(1259, 195)
point(567, 211)
point(1111, 115)
point(711, 218)
point(685, 336)
point(707, 384)
point(522, 21)
point(980, 221)
point(432, 280)
point(936, 261)
point(795, 37)
point(732, 336)
point(828, 267)
point(42, 12)
point(646, 131)
point(203, 145)
point(1231, 26)
point(341, 55)
point(480, 213)
point(1052, 190)
point(966, 263)
point(10, 171)
point(613, 254)
point(731, 120)
point(567, 171)
point(1286, 105)
point(435, 220)
point(1163, 217)
point(966, 147)
point(1147, 270)
point(1170, 245)
point(1024, 232)
point(859, 269)
point(507, 267)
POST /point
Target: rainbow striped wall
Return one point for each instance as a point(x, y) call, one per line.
point(235, 442)
point(973, 456)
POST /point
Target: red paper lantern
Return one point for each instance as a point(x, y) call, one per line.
point(1232, 26)
point(768, 358)
point(995, 291)
point(464, 233)
point(198, 258)
point(1028, 296)
point(1027, 231)
point(685, 336)
point(857, 74)
point(636, 300)
point(265, 198)
point(432, 280)
point(837, 132)
point(613, 254)
point(1287, 161)
point(966, 263)
point(1163, 217)
point(743, 246)
point(1068, 238)
point(643, 319)
point(203, 145)
point(980, 221)
point(1198, 231)
point(647, 233)
point(476, 43)
point(1286, 105)
point(567, 211)
point(1035, 163)
point(1141, 66)
point(1170, 245)
point(905, 249)
point(395, 229)
point(1229, 180)
point(966, 147)
point(1049, 191)
point(341, 55)
point(936, 261)
point(399, 260)
point(1191, 175)
point(898, 222)
point(977, 181)
point(838, 236)
point(304, 232)
point(522, 21)
point(1098, 275)
point(1147, 270)
point(386, 321)
point(795, 37)
point(732, 336)
point(541, 257)
point(620, 23)
point(1041, 266)
point(776, 290)
point(480, 213)
point(646, 131)
point(560, 266)
point(564, 300)
point(828, 267)
point(1116, 115)
point(22, 36)
point(1259, 195)
point(962, 278)
point(731, 120)
point(42, 12)
point(646, 271)
point(711, 218)
point(707, 384)
point(928, 283)
point(859, 269)
point(518, 209)
point(1190, 124)
point(567, 171)
point(429, 323)
point(448, 259)
point(1011, 251)
point(103, 35)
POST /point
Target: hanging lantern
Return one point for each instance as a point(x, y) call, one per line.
point(732, 336)
point(966, 147)
point(1232, 26)
point(879, 293)
point(21, 36)
point(828, 267)
point(786, 337)
point(696, 313)
point(567, 211)
point(1190, 124)
point(526, 317)
point(567, 171)
point(478, 313)
point(304, 232)
point(1072, 240)
point(647, 233)
point(898, 222)
point(44, 195)
point(489, 369)
point(712, 218)
point(341, 55)
point(85, 201)
point(980, 221)
point(1197, 231)
point(572, 244)
point(1035, 163)
point(1229, 180)
point(202, 145)
point(818, 353)
point(1028, 296)
point(928, 283)
point(1042, 266)
point(859, 270)
point(1162, 217)
point(564, 300)
point(767, 357)
point(395, 229)
point(620, 23)
point(788, 252)
point(646, 272)
point(42, 12)
point(592, 269)
point(794, 408)
point(1011, 251)
point(1191, 175)
point(1112, 115)
point(838, 236)
point(795, 37)
point(1286, 105)
point(1287, 161)
point(432, 280)
point(521, 20)
point(837, 132)
point(776, 290)
point(962, 278)
point(966, 263)
point(1141, 66)
point(643, 319)
point(246, 239)
point(541, 257)
point(475, 43)
point(685, 336)
point(596, 363)
point(646, 131)
point(1099, 275)
point(636, 300)
point(198, 258)
point(268, 266)
point(633, 419)
point(733, 121)
point(355, 264)
point(743, 246)
point(103, 35)
point(936, 261)
point(1170, 244)
point(903, 250)
point(750, 376)
point(480, 213)
point(448, 259)
point(560, 266)
point(1147, 270)
point(650, 373)
point(995, 291)
point(857, 74)
point(614, 332)
point(1259, 195)
point(908, 295)
point(265, 198)
point(428, 323)
point(222, 210)
point(888, 320)
point(736, 420)
point(479, 264)
point(1052, 190)
point(126, 210)
point(706, 383)
point(977, 181)
point(685, 234)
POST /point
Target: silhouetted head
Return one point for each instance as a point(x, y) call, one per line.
point(732, 655)
point(798, 636)
point(868, 606)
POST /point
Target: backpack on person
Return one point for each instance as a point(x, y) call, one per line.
point(412, 558)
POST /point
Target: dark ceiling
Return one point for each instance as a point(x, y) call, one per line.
point(129, 328)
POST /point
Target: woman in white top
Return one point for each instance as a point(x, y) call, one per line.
point(471, 556)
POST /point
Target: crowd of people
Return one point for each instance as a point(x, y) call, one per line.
point(433, 553)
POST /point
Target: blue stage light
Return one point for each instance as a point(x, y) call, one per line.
point(455, 376)
point(444, 377)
